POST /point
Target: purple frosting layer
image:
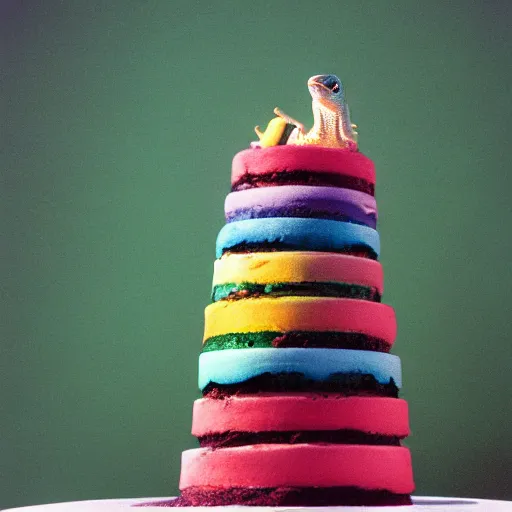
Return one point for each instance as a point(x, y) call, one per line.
point(302, 201)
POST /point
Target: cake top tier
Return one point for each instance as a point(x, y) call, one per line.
point(302, 165)
point(332, 127)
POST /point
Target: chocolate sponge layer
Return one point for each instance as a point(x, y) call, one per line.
point(318, 179)
point(227, 439)
point(344, 384)
point(359, 251)
point(275, 497)
point(235, 291)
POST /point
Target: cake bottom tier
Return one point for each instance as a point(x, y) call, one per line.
point(288, 496)
point(299, 474)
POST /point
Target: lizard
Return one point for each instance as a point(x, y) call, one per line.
point(331, 128)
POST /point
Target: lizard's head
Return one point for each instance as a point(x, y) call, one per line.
point(327, 89)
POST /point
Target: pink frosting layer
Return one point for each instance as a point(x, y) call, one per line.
point(298, 266)
point(309, 411)
point(301, 465)
point(302, 158)
point(286, 314)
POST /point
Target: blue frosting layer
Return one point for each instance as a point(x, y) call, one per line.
point(298, 234)
point(235, 366)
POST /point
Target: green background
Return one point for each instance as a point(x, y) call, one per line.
point(119, 122)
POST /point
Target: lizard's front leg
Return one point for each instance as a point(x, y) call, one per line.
point(290, 120)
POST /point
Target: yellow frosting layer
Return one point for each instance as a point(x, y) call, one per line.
point(286, 314)
point(297, 267)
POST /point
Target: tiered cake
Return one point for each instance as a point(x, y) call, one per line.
point(300, 394)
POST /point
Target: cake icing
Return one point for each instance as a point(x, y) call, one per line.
point(317, 364)
point(283, 233)
point(302, 201)
point(284, 165)
point(286, 314)
point(368, 467)
point(298, 267)
point(301, 411)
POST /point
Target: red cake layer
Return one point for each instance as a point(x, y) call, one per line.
point(297, 412)
point(382, 468)
point(302, 164)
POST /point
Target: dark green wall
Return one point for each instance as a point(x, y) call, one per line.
point(120, 119)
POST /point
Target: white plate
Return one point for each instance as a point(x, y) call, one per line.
point(421, 504)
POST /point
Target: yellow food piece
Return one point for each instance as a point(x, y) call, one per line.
point(273, 133)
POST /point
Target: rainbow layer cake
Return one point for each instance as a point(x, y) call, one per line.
point(300, 391)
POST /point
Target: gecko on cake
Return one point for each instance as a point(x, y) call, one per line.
point(300, 399)
point(331, 128)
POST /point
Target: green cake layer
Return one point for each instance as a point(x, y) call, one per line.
point(311, 339)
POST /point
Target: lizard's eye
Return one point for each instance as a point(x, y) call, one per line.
point(332, 83)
